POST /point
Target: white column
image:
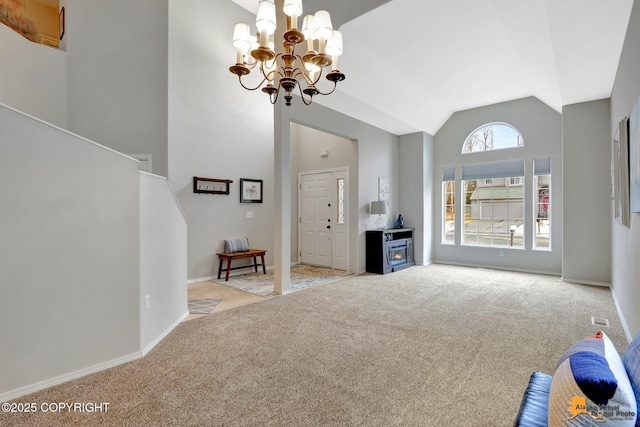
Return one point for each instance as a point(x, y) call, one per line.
point(282, 213)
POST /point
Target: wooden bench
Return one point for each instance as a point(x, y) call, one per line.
point(230, 256)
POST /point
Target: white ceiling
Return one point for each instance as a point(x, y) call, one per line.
point(411, 64)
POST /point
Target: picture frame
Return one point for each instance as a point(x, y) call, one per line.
point(61, 20)
point(620, 176)
point(250, 190)
point(634, 159)
point(384, 187)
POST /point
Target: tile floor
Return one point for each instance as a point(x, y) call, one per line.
point(229, 297)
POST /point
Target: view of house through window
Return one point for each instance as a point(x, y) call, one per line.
point(449, 206)
point(492, 201)
point(493, 212)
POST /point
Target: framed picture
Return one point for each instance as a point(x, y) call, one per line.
point(250, 190)
point(61, 18)
point(383, 189)
point(621, 173)
point(634, 158)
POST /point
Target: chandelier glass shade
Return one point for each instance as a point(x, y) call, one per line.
point(288, 70)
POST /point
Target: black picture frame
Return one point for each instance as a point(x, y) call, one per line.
point(250, 190)
point(61, 18)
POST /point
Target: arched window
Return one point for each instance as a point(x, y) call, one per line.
point(493, 136)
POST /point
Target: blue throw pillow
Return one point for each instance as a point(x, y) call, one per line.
point(590, 387)
point(237, 245)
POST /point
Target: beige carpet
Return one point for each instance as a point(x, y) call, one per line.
point(302, 277)
point(428, 346)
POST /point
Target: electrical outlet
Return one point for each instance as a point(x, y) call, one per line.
point(250, 215)
point(501, 253)
point(147, 301)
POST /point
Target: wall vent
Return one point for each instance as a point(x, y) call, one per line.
point(600, 321)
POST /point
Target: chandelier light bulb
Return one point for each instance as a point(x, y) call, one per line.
point(323, 27)
point(292, 8)
point(241, 38)
point(266, 17)
point(334, 44)
point(308, 27)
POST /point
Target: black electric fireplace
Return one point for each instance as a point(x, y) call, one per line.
point(389, 250)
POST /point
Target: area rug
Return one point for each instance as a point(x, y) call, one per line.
point(302, 276)
point(202, 306)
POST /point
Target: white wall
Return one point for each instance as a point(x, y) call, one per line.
point(586, 166)
point(217, 129)
point(34, 77)
point(69, 256)
point(117, 75)
point(416, 191)
point(625, 244)
point(163, 261)
point(541, 128)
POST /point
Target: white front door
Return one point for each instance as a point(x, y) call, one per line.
point(323, 224)
point(315, 219)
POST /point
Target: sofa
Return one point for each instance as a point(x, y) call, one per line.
point(591, 386)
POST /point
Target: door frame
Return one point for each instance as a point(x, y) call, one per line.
point(347, 206)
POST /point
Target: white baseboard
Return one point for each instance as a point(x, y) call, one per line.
point(164, 333)
point(625, 326)
point(41, 385)
point(586, 282)
point(488, 267)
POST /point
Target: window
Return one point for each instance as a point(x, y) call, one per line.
point(542, 203)
point(340, 204)
point(493, 213)
point(492, 136)
point(449, 206)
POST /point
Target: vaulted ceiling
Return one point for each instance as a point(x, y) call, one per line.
point(411, 64)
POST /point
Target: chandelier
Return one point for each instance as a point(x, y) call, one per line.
point(287, 69)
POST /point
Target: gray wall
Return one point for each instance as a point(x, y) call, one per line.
point(24, 85)
point(586, 166)
point(377, 156)
point(70, 256)
point(117, 75)
point(217, 130)
point(416, 191)
point(541, 128)
point(163, 261)
point(306, 145)
point(626, 241)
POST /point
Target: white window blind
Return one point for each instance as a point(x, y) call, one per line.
point(449, 173)
point(504, 169)
point(542, 166)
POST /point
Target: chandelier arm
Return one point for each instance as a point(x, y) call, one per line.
point(273, 99)
point(249, 88)
point(302, 96)
point(272, 62)
point(335, 85)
